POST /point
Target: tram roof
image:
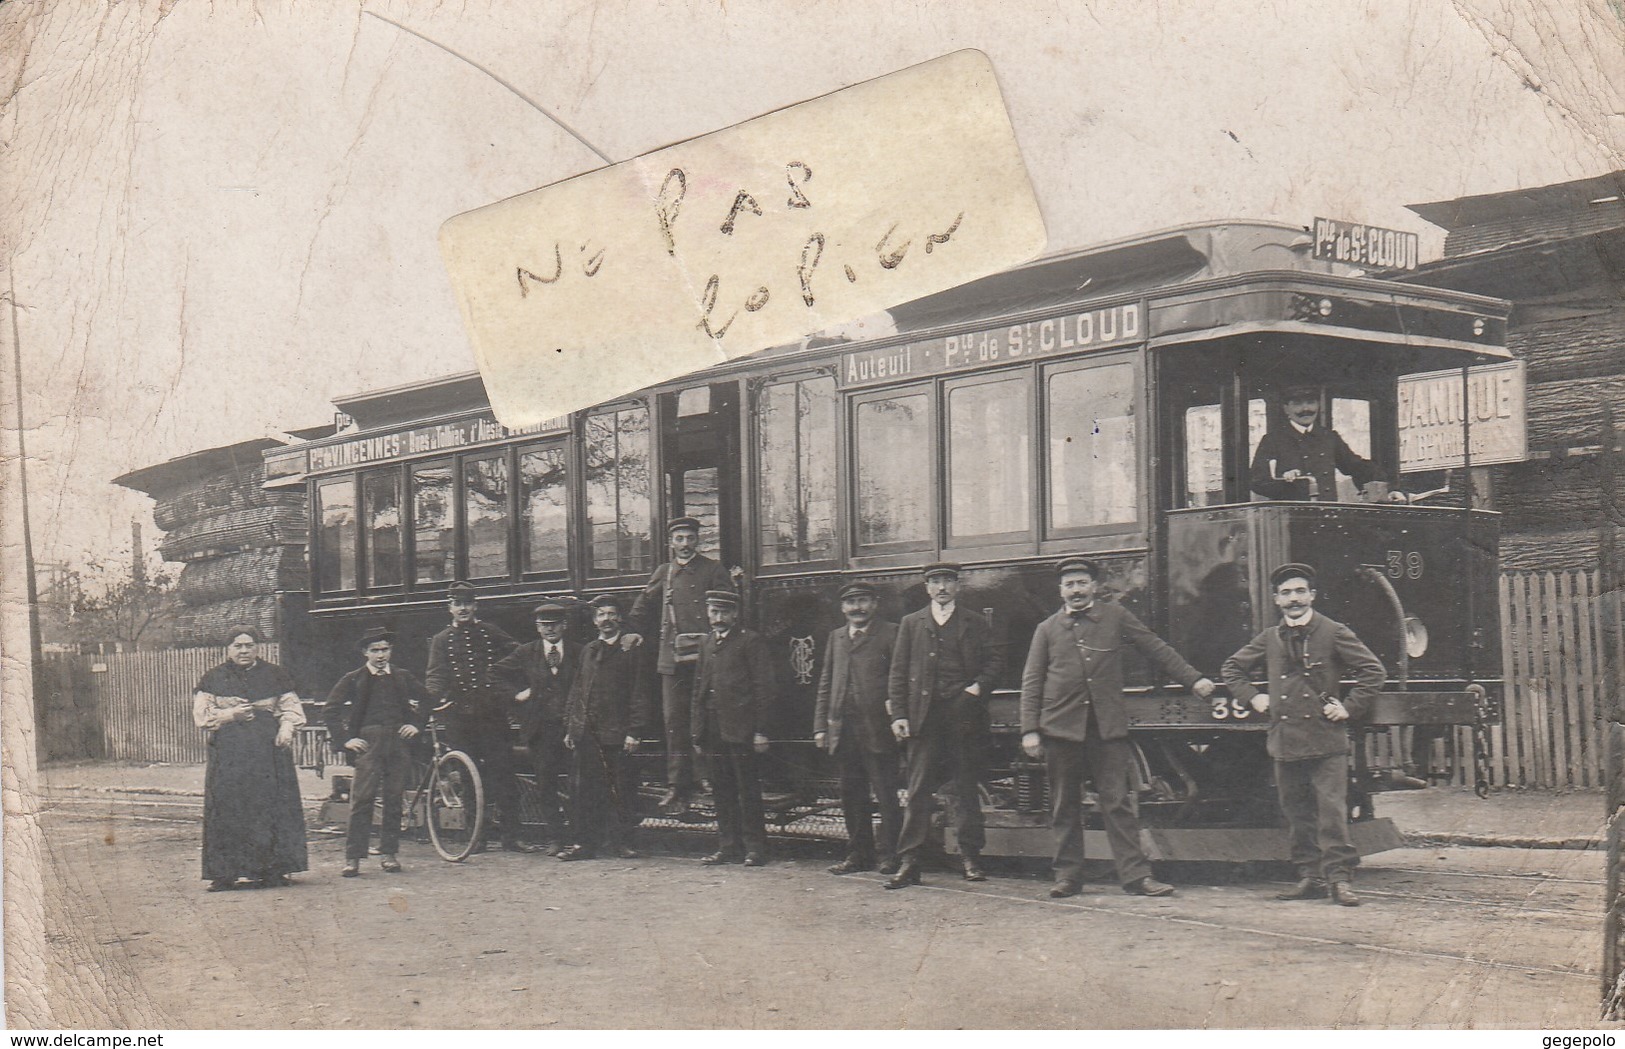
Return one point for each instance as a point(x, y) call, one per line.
point(1164, 258)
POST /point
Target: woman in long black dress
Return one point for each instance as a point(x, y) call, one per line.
point(253, 825)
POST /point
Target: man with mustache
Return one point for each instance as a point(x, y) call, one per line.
point(1073, 716)
point(850, 722)
point(672, 606)
point(1307, 656)
point(462, 673)
point(1302, 459)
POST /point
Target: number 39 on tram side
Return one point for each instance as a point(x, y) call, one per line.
point(1108, 402)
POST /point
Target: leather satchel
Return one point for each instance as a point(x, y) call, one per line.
point(685, 648)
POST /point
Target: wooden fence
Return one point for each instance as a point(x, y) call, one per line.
point(1555, 629)
point(145, 699)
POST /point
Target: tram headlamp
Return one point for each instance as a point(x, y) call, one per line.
point(1416, 637)
point(1325, 307)
point(1478, 325)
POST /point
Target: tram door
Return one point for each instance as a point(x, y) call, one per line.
point(700, 458)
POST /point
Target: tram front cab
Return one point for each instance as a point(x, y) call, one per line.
point(1402, 558)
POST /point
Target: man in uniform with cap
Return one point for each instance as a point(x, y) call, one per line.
point(462, 662)
point(942, 671)
point(1301, 460)
point(1307, 656)
point(539, 674)
point(1073, 716)
point(733, 688)
point(372, 714)
point(672, 606)
point(850, 722)
point(605, 718)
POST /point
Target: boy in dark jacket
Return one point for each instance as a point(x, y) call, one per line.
point(372, 714)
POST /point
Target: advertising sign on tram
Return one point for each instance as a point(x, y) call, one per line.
point(1430, 415)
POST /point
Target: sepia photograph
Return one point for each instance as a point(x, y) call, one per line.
point(602, 515)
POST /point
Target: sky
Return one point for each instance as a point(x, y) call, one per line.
point(217, 217)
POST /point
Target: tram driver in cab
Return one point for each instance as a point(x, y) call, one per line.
point(1302, 459)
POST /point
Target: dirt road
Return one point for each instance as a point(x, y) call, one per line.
point(1452, 937)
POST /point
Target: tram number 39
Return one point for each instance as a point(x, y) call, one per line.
point(1404, 564)
point(1226, 709)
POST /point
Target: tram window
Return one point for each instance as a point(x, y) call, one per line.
point(485, 515)
point(544, 509)
point(335, 544)
point(1093, 452)
point(381, 500)
point(696, 400)
point(1258, 423)
point(1351, 420)
point(432, 523)
point(989, 459)
point(618, 491)
point(697, 493)
point(894, 470)
point(795, 427)
point(1204, 456)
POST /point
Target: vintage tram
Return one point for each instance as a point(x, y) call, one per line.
point(1105, 402)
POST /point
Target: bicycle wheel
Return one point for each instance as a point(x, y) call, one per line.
point(456, 806)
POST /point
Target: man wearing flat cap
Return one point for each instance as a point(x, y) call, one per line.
point(1301, 459)
point(462, 674)
point(1073, 716)
point(539, 675)
point(942, 671)
point(605, 718)
point(850, 722)
point(733, 689)
point(1307, 657)
point(672, 606)
point(372, 714)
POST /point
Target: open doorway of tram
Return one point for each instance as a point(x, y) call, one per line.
point(700, 462)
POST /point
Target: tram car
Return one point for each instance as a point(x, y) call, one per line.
point(1106, 402)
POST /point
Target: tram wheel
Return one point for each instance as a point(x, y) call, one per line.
point(456, 813)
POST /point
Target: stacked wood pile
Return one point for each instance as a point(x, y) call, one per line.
point(240, 542)
point(1553, 506)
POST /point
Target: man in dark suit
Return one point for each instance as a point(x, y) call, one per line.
point(605, 718)
point(1307, 657)
point(850, 722)
point(733, 687)
point(942, 671)
point(672, 607)
point(1301, 460)
point(1073, 716)
point(372, 714)
point(540, 673)
point(462, 661)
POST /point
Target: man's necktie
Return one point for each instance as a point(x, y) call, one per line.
point(553, 658)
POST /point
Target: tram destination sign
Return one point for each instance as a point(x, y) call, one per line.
point(420, 440)
point(1112, 326)
point(1361, 245)
point(1430, 412)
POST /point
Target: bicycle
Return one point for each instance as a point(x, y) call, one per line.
point(450, 800)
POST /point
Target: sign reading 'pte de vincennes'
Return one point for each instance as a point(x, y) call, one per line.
point(1430, 415)
point(1361, 245)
